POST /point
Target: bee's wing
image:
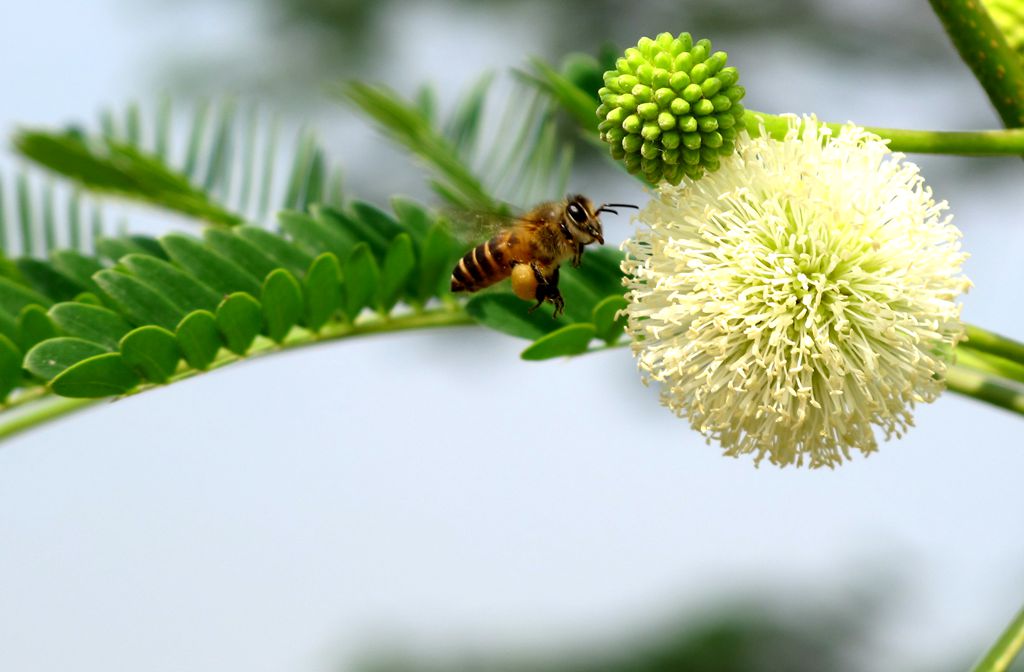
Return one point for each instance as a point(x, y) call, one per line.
point(476, 226)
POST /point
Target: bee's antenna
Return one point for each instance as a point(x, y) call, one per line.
point(607, 207)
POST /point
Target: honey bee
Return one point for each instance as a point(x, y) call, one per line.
point(532, 248)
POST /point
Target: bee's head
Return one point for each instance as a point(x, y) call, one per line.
point(583, 221)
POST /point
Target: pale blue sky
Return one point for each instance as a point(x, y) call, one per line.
point(287, 513)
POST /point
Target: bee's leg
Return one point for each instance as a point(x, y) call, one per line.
point(547, 290)
point(577, 257)
point(540, 293)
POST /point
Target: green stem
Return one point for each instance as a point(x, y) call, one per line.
point(1001, 346)
point(985, 387)
point(36, 411)
point(1009, 142)
point(1005, 649)
point(43, 410)
point(987, 363)
point(982, 46)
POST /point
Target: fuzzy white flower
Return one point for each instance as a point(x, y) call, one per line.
point(798, 297)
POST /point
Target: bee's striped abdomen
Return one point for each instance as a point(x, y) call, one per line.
point(481, 267)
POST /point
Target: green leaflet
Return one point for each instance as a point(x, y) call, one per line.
point(152, 351)
point(464, 125)
point(210, 268)
point(10, 366)
point(361, 277)
point(8, 325)
point(33, 326)
point(282, 303)
point(178, 287)
point(600, 270)
point(284, 253)
point(46, 280)
point(199, 339)
point(115, 248)
point(314, 236)
point(413, 218)
point(579, 103)
point(148, 245)
point(77, 266)
point(580, 298)
point(91, 323)
point(14, 297)
point(7, 267)
point(569, 340)
point(399, 263)
point(323, 290)
point(105, 165)
point(49, 358)
point(137, 301)
point(239, 250)
point(305, 184)
point(195, 140)
point(606, 325)
point(91, 298)
point(372, 220)
point(436, 264)
point(352, 228)
point(239, 318)
point(406, 125)
point(508, 314)
point(100, 376)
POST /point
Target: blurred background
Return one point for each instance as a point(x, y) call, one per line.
point(426, 501)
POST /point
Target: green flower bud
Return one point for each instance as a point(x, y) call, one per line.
point(692, 93)
point(703, 107)
point(647, 110)
point(711, 86)
point(699, 73)
point(678, 107)
point(663, 97)
point(616, 116)
point(720, 102)
point(670, 107)
point(626, 102)
point(707, 124)
point(679, 81)
point(716, 62)
point(728, 76)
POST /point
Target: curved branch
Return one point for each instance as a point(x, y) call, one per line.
point(1008, 142)
point(49, 407)
point(982, 46)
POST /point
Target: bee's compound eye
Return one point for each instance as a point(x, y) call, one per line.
point(577, 213)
